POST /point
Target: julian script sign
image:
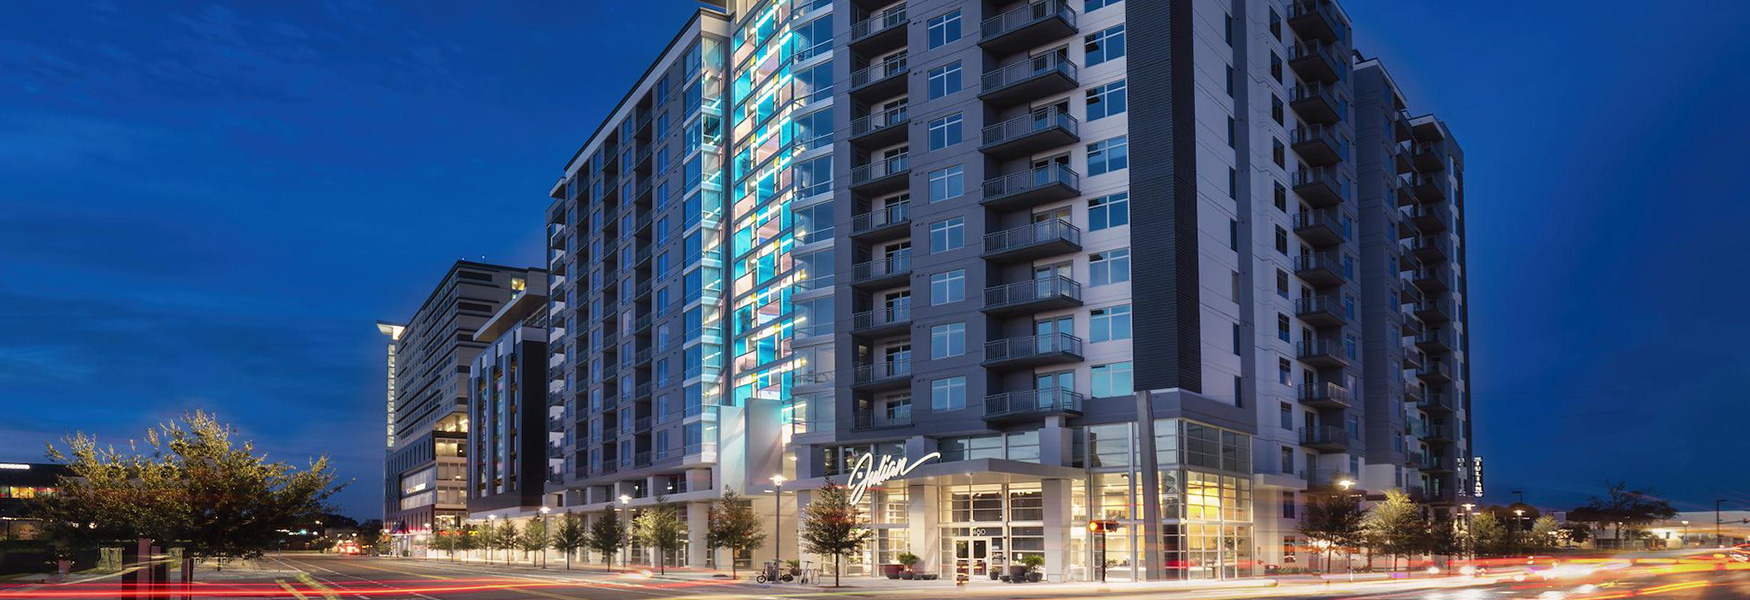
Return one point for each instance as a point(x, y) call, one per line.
point(867, 473)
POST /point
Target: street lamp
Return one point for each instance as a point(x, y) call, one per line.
point(1684, 541)
point(778, 522)
point(1719, 540)
point(1519, 526)
point(544, 535)
point(1469, 535)
point(625, 558)
point(1348, 559)
point(491, 534)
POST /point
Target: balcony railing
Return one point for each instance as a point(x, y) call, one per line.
point(882, 317)
point(888, 216)
point(1033, 78)
point(883, 370)
point(1324, 436)
point(865, 419)
point(1034, 24)
point(880, 22)
point(1322, 311)
point(1044, 128)
point(879, 71)
point(880, 169)
point(1056, 289)
point(891, 265)
point(879, 121)
point(1315, 103)
point(1319, 186)
point(1042, 238)
point(1313, 19)
point(1325, 395)
point(1031, 187)
point(1322, 353)
point(1032, 403)
point(1316, 61)
point(1047, 346)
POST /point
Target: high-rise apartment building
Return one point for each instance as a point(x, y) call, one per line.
point(509, 437)
point(1169, 265)
point(425, 468)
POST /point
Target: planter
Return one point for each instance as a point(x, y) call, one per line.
point(1018, 573)
point(929, 576)
point(892, 571)
point(995, 574)
point(908, 575)
point(1035, 577)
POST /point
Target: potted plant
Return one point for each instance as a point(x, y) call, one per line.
point(892, 571)
point(1035, 564)
point(795, 566)
point(910, 561)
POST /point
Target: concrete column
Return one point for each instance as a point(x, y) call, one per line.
point(698, 525)
point(1148, 545)
point(923, 529)
point(1055, 443)
point(1058, 524)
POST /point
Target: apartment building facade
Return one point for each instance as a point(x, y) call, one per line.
point(1163, 266)
point(508, 433)
point(430, 355)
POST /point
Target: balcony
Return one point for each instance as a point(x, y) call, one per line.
point(1312, 19)
point(1427, 157)
point(884, 79)
point(882, 176)
point(1442, 433)
point(889, 374)
point(1031, 79)
point(1316, 103)
point(883, 224)
point(1413, 393)
point(1319, 270)
point(882, 322)
point(1433, 280)
point(1429, 218)
point(1321, 353)
point(1032, 187)
point(1325, 395)
point(1317, 145)
point(1412, 359)
point(888, 271)
point(1436, 402)
point(880, 129)
point(1400, 126)
point(1317, 62)
point(1325, 438)
point(1434, 341)
point(1032, 296)
point(880, 32)
point(1030, 134)
point(1406, 196)
point(1036, 24)
point(1434, 372)
point(1031, 351)
point(1325, 227)
point(868, 419)
point(1032, 241)
point(1431, 249)
point(1400, 159)
point(1432, 187)
point(1436, 464)
point(1032, 405)
point(1319, 187)
point(1436, 311)
point(1320, 311)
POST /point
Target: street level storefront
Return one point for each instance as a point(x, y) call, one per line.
point(976, 506)
point(19, 484)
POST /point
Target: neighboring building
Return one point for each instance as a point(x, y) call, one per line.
point(426, 464)
point(19, 483)
point(508, 435)
point(1169, 264)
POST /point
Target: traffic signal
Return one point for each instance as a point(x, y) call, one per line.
point(1104, 526)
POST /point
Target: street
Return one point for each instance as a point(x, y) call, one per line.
point(331, 577)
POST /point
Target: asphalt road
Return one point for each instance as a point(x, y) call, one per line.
point(328, 577)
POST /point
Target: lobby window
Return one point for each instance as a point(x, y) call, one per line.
point(947, 183)
point(1104, 45)
point(947, 341)
point(948, 394)
point(1109, 267)
point(1112, 380)
point(1109, 211)
point(1110, 323)
point(1024, 446)
point(1106, 100)
point(944, 80)
point(949, 234)
point(944, 28)
point(947, 287)
point(1110, 155)
point(945, 132)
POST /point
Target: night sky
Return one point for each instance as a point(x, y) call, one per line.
point(210, 205)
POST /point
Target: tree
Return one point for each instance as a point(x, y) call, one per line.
point(1489, 535)
point(1331, 521)
point(372, 537)
point(504, 537)
point(660, 527)
point(468, 539)
point(570, 535)
point(606, 535)
point(447, 541)
point(1623, 508)
point(1393, 525)
point(830, 526)
point(1545, 533)
point(188, 484)
point(734, 526)
point(533, 537)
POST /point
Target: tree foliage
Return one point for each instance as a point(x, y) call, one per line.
point(734, 526)
point(187, 484)
point(533, 537)
point(1394, 526)
point(1332, 522)
point(1489, 535)
point(1623, 509)
point(660, 527)
point(570, 535)
point(1546, 533)
point(830, 526)
point(606, 535)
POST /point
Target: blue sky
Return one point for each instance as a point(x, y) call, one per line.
point(208, 205)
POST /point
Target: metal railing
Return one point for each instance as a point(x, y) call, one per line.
point(1033, 12)
point(879, 71)
point(892, 264)
point(873, 419)
point(877, 121)
point(1325, 434)
point(1054, 230)
point(878, 169)
point(1037, 121)
point(877, 23)
point(1032, 290)
point(1036, 66)
point(1314, 348)
point(885, 369)
point(881, 316)
point(892, 214)
point(1325, 392)
point(1031, 179)
point(1023, 402)
point(1032, 345)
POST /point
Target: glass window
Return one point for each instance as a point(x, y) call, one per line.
point(948, 340)
point(945, 132)
point(1109, 267)
point(1108, 155)
point(948, 394)
point(944, 28)
point(944, 80)
point(1091, 5)
point(948, 287)
point(947, 183)
point(1112, 380)
point(1106, 100)
point(1110, 323)
point(949, 234)
point(1109, 211)
point(1109, 445)
point(1024, 447)
point(1104, 45)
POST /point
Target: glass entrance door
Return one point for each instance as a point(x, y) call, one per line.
point(972, 556)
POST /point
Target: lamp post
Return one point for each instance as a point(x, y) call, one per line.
point(545, 534)
point(1518, 528)
point(625, 558)
point(1470, 537)
point(778, 522)
point(1719, 538)
point(491, 536)
point(1349, 560)
point(1683, 542)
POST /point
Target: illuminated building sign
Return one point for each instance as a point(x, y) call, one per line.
point(866, 473)
point(15, 466)
point(1476, 476)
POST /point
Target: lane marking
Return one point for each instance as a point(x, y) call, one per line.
point(291, 589)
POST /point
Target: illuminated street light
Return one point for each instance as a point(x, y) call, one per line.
point(625, 557)
point(778, 518)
